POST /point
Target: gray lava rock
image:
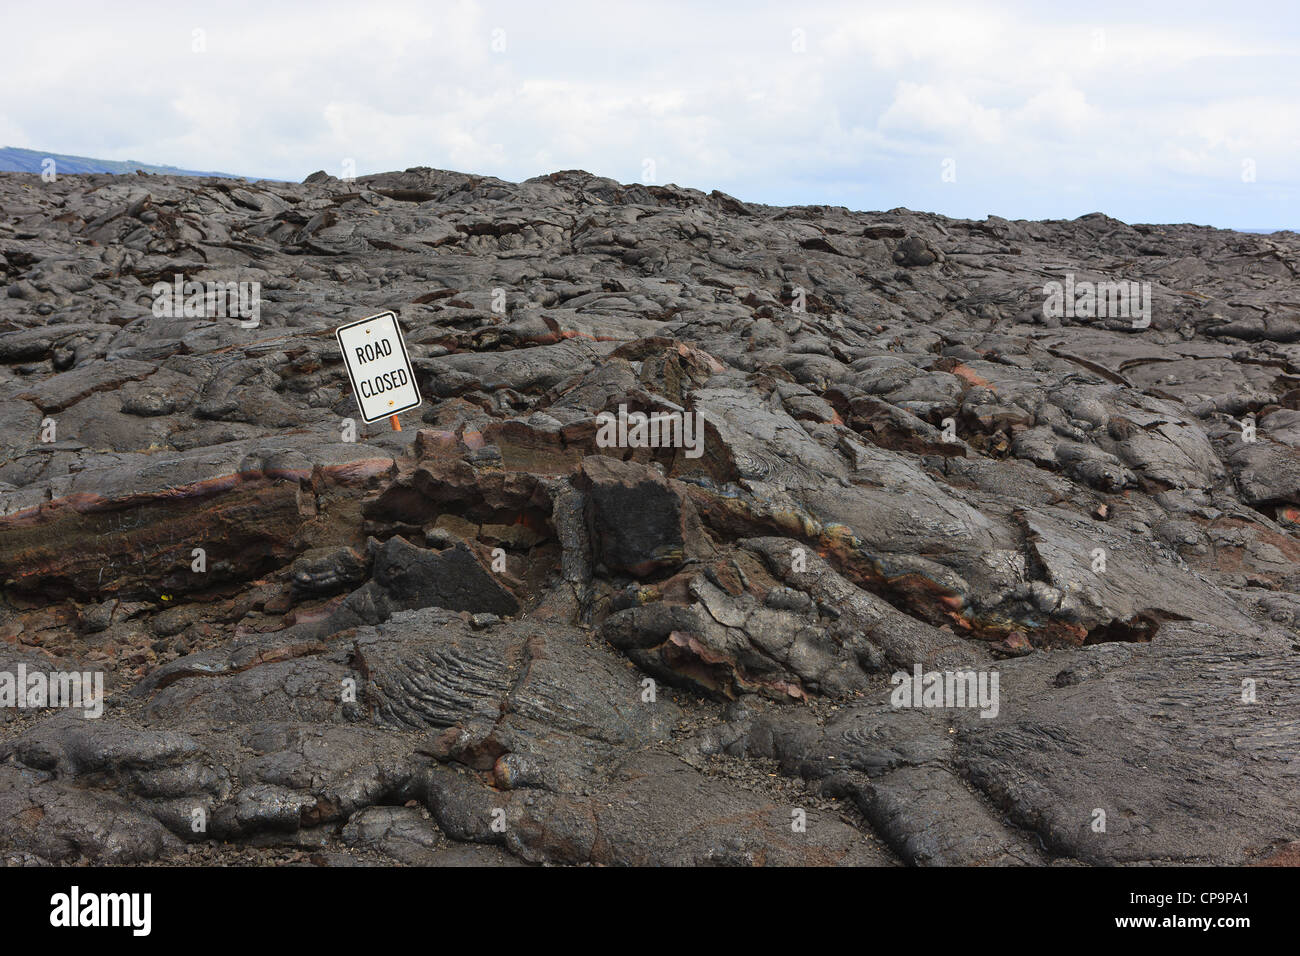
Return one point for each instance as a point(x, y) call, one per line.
point(489, 639)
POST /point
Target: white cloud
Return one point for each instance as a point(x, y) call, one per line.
point(1035, 105)
point(924, 109)
point(1060, 111)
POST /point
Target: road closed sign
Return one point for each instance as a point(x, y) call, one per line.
point(378, 366)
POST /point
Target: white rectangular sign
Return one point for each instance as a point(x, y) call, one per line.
point(378, 366)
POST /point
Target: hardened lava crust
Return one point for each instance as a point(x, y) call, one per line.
point(494, 637)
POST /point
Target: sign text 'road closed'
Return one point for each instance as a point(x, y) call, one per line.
point(380, 370)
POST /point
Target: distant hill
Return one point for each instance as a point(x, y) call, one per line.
point(14, 160)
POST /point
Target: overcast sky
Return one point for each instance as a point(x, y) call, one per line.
point(1151, 112)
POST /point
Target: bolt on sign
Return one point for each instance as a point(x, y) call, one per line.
point(378, 366)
